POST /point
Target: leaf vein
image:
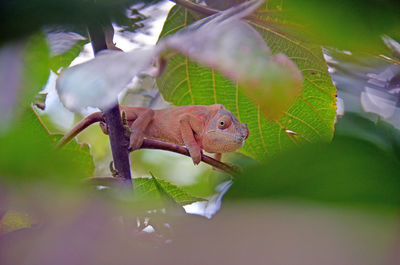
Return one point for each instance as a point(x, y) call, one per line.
point(259, 127)
point(304, 122)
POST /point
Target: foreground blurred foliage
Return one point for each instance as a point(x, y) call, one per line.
point(28, 155)
point(347, 24)
point(307, 203)
point(90, 229)
point(359, 168)
point(29, 16)
point(24, 70)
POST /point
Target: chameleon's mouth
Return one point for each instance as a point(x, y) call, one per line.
point(222, 142)
point(240, 140)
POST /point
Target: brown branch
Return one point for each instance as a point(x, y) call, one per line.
point(154, 144)
point(80, 126)
point(118, 141)
point(40, 105)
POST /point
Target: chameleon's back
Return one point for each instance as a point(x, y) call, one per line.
point(166, 125)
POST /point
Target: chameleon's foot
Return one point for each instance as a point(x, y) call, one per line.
point(125, 124)
point(218, 156)
point(103, 127)
point(136, 139)
point(114, 172)
point(195, 154)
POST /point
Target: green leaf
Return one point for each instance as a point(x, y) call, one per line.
point(79, 157)
point(349, 171)
point(14, 220)
point(152, 189)
point(65, 59)
point(225, 42)
point(25, 69)
point(309, 119)
point(35, 70)
point(28, 154)
point(355, 25)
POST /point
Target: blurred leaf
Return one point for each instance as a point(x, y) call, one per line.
point(347, 24)
point(14, 220)
point(222, 4)
point(98, 82)
point(28, 154)
point(24, 71)
point(393, 46)
point(85, 228)
point(152, 189)
point(36, 68)
point(65, 59)
point(311, 117)
point(64, 47)
point(228, 44)
point(381, 133)
point(27, 16)
point(10, 78)
point(207, 183)
point(60, 42)
point(79, 156)
point(367, 85)
point(349, 171)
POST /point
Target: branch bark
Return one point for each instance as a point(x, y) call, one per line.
point(80, 126)
point(154, 144)
point(118, 141)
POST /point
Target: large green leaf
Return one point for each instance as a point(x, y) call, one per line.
point(310, 119)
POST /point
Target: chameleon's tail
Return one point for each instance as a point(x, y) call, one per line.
point(80, 126)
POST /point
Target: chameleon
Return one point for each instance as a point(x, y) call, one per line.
point(212, 128)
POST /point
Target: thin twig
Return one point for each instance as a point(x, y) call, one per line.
point(40, 105)
point(154, 144)
point(80, 126)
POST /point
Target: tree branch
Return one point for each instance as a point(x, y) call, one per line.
point(118, 141)
point(154, 144)
point(80, 126)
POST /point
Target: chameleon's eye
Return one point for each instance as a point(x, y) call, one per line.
point(224, 122)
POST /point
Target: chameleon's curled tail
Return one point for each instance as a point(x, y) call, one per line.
point(80, 126)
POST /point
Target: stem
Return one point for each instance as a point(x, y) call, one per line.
point(80, 126)
point(118, 141)
point(154, 144)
